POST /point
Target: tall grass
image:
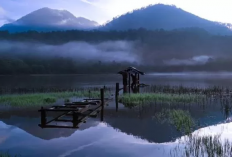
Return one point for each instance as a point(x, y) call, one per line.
point(136, 99)
point(6, 154)
point(206, 146)
point(45, 98)
point(181, 119)
point(29, 90)
point(183, 90)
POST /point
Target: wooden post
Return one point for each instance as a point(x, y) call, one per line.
point(129, 82)
point(43, 117)
point(102, 104)
point(75, 119)
point(116, 95)
point(138, 79)
point(138, 84)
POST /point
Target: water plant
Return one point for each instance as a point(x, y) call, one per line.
point(36, 99)
point(209, 146)
point(186, 90)
point(6, 154)
point(181, 119)
point(136, 99)
point(66, 100)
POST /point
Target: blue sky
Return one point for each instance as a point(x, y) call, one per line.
point(104, 10)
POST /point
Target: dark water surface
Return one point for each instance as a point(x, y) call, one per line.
point(128, 132)
point(187, 79)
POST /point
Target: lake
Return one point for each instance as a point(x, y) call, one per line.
point(128, 132)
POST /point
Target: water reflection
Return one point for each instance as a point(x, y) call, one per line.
point(101, 140)
point(129, 132)
point(138, 121)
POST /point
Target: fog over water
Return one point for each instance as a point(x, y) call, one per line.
point(119, 51)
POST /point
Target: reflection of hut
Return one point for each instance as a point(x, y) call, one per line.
point(129, 73)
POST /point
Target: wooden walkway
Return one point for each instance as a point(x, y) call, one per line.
point(74, 113)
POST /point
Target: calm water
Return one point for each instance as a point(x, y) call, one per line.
point(129, 132)
point(71, 81)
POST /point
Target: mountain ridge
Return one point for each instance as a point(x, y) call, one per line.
point(49, 19)
point(152, 17)
point(161, 16)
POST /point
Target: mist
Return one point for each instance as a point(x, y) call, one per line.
point(87, 57)
point(109, 51)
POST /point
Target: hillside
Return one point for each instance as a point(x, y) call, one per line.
point(47, 19)
point(166, 17)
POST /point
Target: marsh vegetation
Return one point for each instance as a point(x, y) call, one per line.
point(200, 146)
point(38, 99)
point(6, 154)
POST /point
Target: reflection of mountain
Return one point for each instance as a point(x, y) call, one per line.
point(30, 125)
point(141, 125)
point(137, 122)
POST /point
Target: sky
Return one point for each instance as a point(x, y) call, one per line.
point(102, 11)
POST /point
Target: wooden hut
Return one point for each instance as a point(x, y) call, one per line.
point(127, 74)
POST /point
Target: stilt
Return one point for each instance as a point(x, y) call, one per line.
point(138, 79)
point(43, 117)
point(102, 104)
point(116, 95)
point(129, 82)
point(75, 119)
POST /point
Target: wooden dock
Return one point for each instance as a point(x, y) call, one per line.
point(74, 113)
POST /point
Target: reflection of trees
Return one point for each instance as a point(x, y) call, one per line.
point(137, 121)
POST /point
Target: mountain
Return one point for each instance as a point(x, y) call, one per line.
point(47, 19)
point(166, 17)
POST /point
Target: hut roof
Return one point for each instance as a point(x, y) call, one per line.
point(131, 70)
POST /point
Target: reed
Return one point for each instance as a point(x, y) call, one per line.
point(181, 119)
point(38, 99)
point(136, 99)
point(6, 154)
point(29, 90)
point(211, 146)
point(215, 90)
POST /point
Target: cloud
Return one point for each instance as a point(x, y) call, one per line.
point(3, 17)
point(119, 51)
point(197, 60)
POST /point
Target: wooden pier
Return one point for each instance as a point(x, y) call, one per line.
point(74, 113)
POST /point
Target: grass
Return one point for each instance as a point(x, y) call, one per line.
point(181, 119)
point(136, 99)
point(210, 146)
point(45, 98)
point(183, 90)
point(7, 155)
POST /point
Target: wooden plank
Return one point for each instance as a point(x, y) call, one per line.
point(64, 120)
point(60, 110)
point(57, 117)
point(58, 126)
point(75, 107)
point(84, 103)
point(92, 99)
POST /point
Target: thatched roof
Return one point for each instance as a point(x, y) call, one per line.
point(131, 70)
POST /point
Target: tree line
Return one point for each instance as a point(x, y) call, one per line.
point(153, 47)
